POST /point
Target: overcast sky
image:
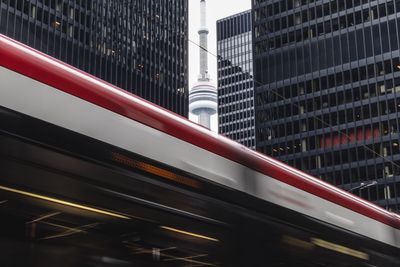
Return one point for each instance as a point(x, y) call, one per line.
point(216, 9)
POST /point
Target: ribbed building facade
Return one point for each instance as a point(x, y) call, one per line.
point(235, 78)
point(137, 45)
point(329, 95)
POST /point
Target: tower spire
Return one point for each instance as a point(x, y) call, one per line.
point(203, 41)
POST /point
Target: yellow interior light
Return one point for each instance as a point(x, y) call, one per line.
point(189, 233)
point(340, 248)
point(63, 202)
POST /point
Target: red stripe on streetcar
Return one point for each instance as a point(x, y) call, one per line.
point(41, 67)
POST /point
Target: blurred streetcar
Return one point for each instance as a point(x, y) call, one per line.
point(94, 176)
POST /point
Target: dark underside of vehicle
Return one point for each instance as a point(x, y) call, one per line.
point(69, 200)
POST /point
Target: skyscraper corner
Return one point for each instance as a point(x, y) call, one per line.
point(235, 78)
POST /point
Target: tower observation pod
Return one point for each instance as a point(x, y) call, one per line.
point(203, 96)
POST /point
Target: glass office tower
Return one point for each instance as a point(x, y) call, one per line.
point(137, 45)
point(328, 97)
point(235, 78)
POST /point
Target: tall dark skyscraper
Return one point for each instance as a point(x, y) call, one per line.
point(137, 45)
point(235, 78)
point(330, 95)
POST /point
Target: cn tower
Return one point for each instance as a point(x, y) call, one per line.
point(203, 96)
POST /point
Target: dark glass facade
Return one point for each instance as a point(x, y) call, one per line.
point(328, 97)
point(235, 78)
point(137, 45)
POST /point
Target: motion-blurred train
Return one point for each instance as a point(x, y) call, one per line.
point(75, 146)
